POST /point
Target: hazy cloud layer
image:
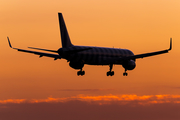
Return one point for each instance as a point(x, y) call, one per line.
point(106, 99)
point(82, 110)
point(83, 107)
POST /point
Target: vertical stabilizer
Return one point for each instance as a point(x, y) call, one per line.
point(66, 42)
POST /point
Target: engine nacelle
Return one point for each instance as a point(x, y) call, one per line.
point(76, 65)
point(129, 65)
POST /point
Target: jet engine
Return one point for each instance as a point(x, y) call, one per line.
point(76, 65)
point(129, 65)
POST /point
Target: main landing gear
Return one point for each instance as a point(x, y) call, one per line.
point(110, 72)
point(80, 72)
point(125, 73)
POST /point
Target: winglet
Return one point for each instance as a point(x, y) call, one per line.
point(170, 44)
point(9, 42)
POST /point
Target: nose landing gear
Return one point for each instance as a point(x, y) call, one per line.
point(110, 72)
point(125, 73)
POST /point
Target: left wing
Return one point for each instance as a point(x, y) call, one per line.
point(149, 54)
point(134, 57)
point(41, 54)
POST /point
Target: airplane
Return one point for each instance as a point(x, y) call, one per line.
point(78, 56)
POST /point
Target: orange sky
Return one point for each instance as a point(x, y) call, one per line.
point(139, 25)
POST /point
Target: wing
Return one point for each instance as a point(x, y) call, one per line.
point(41, 54)
point(134, 57)
point(150, 54)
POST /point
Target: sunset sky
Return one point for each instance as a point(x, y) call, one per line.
point(35, 86)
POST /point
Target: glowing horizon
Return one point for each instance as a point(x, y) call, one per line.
point(106, 99)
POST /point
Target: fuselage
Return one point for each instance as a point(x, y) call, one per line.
point(95, 55)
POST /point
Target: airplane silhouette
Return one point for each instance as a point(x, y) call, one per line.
point(78, 56)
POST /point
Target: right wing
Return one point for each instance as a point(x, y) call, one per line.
point(41, 54)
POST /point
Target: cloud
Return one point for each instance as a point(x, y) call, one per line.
point(176, 87)
point(55, 109)
point(84, 107)
point(106, 99)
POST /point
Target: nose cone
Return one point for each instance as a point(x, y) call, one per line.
point(129, 65)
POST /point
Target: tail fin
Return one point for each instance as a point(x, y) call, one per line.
point(66, 42)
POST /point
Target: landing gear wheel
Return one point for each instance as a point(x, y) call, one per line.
point(110, 73)
point(125, 74)
point(81, 73)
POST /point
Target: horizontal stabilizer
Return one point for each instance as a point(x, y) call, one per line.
point(43, 49)
point(41, 54)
